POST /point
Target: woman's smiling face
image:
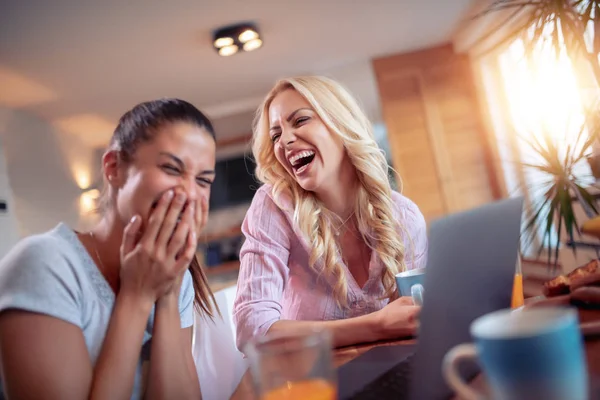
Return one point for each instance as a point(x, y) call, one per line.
point(180, 157)
point(303, 144)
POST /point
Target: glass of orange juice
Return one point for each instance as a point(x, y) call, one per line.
point(293, 366)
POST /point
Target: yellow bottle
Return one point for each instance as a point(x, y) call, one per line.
point(518, 297)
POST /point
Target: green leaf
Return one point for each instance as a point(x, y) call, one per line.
point(558, 244)
point(539, 209)
point(543, 168)
point(550, 224)
point(586, 198)
point(568, 216)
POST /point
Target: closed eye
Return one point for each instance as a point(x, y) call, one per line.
point(170, 169)
point(203, 182)
point(275, 137)
point(301, 120)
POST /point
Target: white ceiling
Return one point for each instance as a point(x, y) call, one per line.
point(80, 63)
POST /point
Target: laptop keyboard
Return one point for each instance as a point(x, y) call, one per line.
point(393, 384)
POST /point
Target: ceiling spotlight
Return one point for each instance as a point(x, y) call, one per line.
point(228, 50)
point(247, 35)
point(223, 41)
point(252, 44)
point(228, 40)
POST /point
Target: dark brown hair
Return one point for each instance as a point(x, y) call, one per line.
point(139, 125)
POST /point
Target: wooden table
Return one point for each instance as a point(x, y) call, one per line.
point(244, 390)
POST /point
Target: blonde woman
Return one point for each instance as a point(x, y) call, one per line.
point(325, 234)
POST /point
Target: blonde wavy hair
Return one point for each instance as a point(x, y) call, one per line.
point(373, 207)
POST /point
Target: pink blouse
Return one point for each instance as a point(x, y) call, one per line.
point(275, 281)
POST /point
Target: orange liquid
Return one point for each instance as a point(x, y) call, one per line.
point(517, 295)
point(314, 389)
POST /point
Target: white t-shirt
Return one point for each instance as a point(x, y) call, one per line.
point(53, 274)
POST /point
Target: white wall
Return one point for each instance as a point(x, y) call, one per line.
point(359, 78)
point(42, 165)
point(9, 229)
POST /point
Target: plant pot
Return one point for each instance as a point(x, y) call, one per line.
point(594, 162)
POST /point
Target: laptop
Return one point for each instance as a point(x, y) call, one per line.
point(470, 272)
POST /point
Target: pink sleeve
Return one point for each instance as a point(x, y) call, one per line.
point(415, 233)
point(263, 268)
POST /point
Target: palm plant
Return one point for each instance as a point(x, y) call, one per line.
point(572, 27)
point(557, 187)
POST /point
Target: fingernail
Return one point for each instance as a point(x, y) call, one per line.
point(180, 196)
point(134, 219)
point(194, 236)
point(169, 194)
point(192, 207)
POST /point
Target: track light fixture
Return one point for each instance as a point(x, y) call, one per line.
point(233, 38)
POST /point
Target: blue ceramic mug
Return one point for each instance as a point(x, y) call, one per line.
point(410, 283)
point(526, 354)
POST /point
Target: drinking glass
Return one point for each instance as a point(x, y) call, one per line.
point(293, 366)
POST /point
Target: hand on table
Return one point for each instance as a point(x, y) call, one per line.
point(400, 318)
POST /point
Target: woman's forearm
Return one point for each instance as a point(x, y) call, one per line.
point(114, 373)
point(345, 332)
point(170, 375)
